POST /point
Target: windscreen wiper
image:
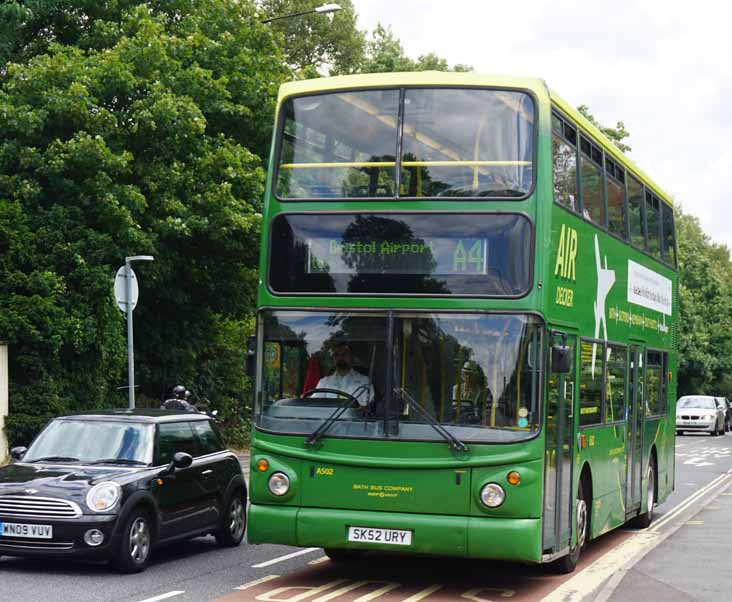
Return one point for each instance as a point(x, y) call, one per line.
point(54, 459)
point(119, 461)
point(349, 402)
point(454, 442)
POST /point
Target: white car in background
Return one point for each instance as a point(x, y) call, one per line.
point(700, 413)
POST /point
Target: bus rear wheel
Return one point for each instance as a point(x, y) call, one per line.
point(567, 564)
point(644, 520)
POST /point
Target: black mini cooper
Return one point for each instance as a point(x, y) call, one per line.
point(113, 485)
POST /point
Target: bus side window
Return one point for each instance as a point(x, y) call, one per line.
point(654, 377)
point(636, 213)
point(654, 225)
point(564, 156)
point(593, 205)
point(590, 382)
point(669, 234)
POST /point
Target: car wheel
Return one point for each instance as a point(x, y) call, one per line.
point(233, 521)
point(644, 520)
point(567, 564)
point(135, 546)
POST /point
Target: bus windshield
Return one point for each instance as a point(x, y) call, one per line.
point(477, 374)
point(455, 142)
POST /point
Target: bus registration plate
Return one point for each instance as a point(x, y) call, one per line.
point(395, 537)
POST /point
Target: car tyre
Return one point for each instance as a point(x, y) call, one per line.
point(233, 520)
point(135, 545)
point(567, 564)
point(644, 520)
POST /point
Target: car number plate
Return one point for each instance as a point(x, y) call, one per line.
point(23, 530)
point(395, 537)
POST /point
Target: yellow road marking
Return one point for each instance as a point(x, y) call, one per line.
point(256, 582)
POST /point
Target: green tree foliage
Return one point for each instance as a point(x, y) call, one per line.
point(130, 128)
point(313, 43)
point(384, 53)
point(705, 301)
point(616, 134)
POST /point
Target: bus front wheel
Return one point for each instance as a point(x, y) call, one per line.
point(567, 564)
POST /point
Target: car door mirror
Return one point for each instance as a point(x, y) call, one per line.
point(182, 460)
point(17, 453)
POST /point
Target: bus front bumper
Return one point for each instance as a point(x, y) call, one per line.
point(517, 539)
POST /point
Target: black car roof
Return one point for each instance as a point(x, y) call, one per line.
point(146, 415)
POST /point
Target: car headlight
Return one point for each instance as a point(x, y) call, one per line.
point(103, 496)
point(492, 495)
point(709, 417)
point(279, 484)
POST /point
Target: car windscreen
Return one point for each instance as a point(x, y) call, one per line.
point(702, 403)
point(412, 143)
point(89, 441)
point(476, 254)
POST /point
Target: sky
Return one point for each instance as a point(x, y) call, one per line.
point(664, 68)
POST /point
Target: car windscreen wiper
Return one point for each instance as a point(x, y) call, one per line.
point(54, 459)
point(119, 461)
point(349, 402)
point(454, 442)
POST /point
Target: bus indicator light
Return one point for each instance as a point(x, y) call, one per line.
point(513, 478)
point(262, 465)
point(583, 441)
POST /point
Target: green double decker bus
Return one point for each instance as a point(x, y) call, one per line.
point(466, 324)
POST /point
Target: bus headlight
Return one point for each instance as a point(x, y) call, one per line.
point(278, 484)
point(492, 495)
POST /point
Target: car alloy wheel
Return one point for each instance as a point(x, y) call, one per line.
point(139, 547)
point(236, 518)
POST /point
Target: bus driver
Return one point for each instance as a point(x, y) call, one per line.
point(346, 379)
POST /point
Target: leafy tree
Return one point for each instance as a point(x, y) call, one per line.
point(311, 43)
point(616, 134)
point(130, 128)
point(385, 53)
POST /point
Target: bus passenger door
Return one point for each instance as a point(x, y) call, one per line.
point(636, 411)
point(558, 498)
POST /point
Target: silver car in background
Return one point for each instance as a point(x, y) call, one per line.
point(700, 413)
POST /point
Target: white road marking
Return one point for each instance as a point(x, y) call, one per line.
point(163, 596)
point(613, 565)
point(256, 582)
point(688, 501)
point(283, 558)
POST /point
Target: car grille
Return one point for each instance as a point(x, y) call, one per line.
point(27, 506)
point(31, 544)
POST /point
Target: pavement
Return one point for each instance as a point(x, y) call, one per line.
point(690, 566)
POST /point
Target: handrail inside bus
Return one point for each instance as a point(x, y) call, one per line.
point(404, 164)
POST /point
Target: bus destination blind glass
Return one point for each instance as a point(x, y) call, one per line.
point(481, 254)
point(438, 256)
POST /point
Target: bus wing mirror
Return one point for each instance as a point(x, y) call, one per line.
point(560, 359)
point(251, 356)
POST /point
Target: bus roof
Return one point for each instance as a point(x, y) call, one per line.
point(441, 78)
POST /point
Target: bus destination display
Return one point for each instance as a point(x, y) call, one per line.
point(435, 255)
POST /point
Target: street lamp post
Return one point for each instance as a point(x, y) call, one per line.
point(323, 10)
point(128, 300)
